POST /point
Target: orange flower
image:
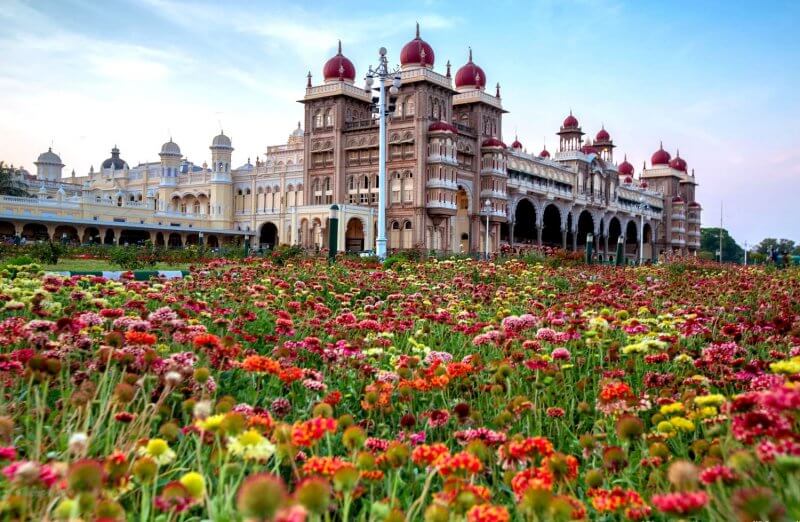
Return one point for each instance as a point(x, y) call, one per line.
point(259, 363)
point(206, 341)
point(488, 513)
point(291, 374)
point(134, 337)
point(460, 463)
point(325, 466)
point(425, 454)
point(306, 433)
point(538, 478)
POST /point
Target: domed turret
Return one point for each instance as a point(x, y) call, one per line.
point(170, 148)
point(602, 135)
point(570, 122)
point(48, 165)
point(442, 126)
point(545, 153)
point(492, 143)
point(339, 68)
point(516, 144)
point(221, 151)
point(660, 157)
point(221, 141)
point(678, 163)
point(625, 168)
point(114, 162)
point(417, 53)
point(470, 76)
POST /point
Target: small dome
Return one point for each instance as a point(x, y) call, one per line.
point(625, 168)
point(628, 180)
point(470, 75)
point(678, 163)
point(170, 148)
point(417, 52)
point(694, 204)
point(544, 154)
point(493, 143)
point(49, 157)
point(570, 122)
point(643, 184)
point(221, 141)
point(339, 68)
point(298, 132)
point(677, 200)
point(660, 157)
point(441, 126)
point(588, 149)
point(115, 161)
point(516, 144)
point(602, 135)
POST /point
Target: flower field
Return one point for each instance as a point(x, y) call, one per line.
point(437, 391)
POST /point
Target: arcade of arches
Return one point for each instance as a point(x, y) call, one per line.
point(537, 226)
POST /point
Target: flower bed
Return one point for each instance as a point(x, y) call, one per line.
point(290, 389)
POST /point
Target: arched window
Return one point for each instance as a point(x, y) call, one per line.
point(408, 188)
point(396, 187)
point(329, 118)
point(318, 121)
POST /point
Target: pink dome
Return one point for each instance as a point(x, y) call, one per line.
point(625, 168)
point(516, 144)
point(339, 68)
point(694, 204)
point(588, 149)
point(660, 157)
point(677, 200)
point(570, 122)
point(417, 52)
point(602, 135)
point(470, 75)
point(493, 142)
point(441, 126)
point(643, 184)
point(544, 154)
point(678, 163)
point(628, 180)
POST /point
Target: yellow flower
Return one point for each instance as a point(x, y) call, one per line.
point(195, 484)
point(683, 358)
point(675, 407)
point(789, 367)
point(211, 423)
point(635, 348)
point(704, 412)
point(709, 400)
point(251, 445)
point(682, 423)
point(158, 450)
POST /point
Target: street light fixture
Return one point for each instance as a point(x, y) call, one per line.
point(487, 208)
point(382, 73)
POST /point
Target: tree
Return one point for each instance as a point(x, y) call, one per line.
point(769, 244)
point(10, 183)
point(709, 242)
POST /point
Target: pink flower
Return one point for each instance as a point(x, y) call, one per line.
point(561, 354)
point(718, 473)
point(680, 503)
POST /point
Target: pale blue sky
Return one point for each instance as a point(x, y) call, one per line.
point(716, 79)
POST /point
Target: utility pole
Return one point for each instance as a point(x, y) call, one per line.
point(720, 231)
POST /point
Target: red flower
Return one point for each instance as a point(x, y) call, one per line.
point(680, 503)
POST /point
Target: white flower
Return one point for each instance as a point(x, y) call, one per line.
point(78, 443)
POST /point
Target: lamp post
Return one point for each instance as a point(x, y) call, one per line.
point(589, 247)
point(382, 73)
point(333, 233)
point(642, 209)
point(487, 208)
point(200, 239)
point(745, 253)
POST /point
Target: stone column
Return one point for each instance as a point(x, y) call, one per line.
point(118, 236)
point(575, 240)
point(511, 235)
point(564, 238)
point(539, 235)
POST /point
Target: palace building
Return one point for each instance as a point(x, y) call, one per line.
point(449, 173)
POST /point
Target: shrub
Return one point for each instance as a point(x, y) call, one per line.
point(48, 253)
point(133, 258)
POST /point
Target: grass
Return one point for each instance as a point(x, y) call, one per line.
point(75, 265)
